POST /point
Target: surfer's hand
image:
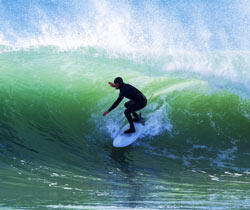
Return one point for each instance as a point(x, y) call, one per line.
point(111, 84)
point(104, 113)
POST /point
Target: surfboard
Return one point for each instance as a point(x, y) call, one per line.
point(123, 139)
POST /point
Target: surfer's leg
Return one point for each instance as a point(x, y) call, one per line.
point(132, 107)
point(127, 113)
point(130, 104)
point(136, 107)
point(136, 117)
point(135, 114)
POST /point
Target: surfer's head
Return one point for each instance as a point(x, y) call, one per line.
point(118, 82)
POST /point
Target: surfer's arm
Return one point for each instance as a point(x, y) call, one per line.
point(107, 111)
point(116, 103)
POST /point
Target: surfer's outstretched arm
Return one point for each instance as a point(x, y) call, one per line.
point(118, 100)
point(106, 112)
point(115, 104)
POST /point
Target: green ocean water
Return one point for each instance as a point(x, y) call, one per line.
point(191, 59)
point(56, 147)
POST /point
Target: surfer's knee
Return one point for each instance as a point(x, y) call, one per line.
point(126, 104)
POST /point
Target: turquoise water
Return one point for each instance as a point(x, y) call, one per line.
point(56, 147)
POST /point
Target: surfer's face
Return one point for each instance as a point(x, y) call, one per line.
point(116, 85)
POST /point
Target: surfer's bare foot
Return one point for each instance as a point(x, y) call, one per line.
point(131, 130)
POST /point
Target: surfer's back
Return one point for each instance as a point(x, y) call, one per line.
point(132, 93)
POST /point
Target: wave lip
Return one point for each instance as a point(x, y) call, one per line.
point(120, 26)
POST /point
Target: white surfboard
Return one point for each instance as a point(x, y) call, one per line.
point(123, 139)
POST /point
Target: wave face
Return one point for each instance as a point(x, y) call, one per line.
point(190, 59)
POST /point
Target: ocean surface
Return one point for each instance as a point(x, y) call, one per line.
point(191, 59)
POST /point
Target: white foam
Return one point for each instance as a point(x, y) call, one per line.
point(219, 69)
point(156, 121)
point(148, 26)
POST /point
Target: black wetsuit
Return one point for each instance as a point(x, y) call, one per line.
point(137, 101)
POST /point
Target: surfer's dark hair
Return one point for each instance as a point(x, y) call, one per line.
point(118, 80)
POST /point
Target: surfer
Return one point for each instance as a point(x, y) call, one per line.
point(137, 101)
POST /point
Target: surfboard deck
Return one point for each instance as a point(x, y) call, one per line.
point(123, 139)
